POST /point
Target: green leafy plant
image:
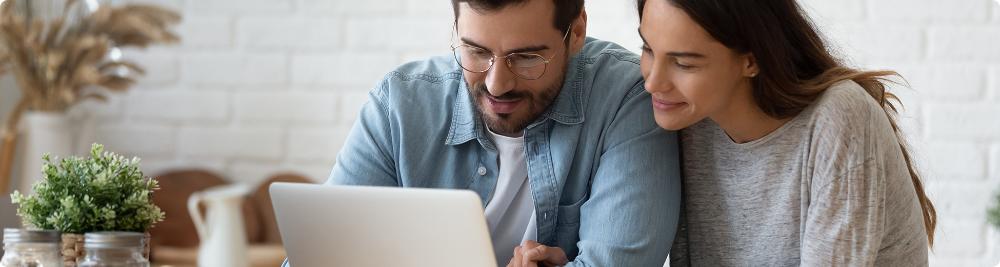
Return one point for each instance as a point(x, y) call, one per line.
point(104, 192)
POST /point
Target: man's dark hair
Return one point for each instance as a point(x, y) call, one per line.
point(565, 12)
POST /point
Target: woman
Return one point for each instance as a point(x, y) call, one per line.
point(790, 158)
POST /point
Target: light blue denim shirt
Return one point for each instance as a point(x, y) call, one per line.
point(605, 178)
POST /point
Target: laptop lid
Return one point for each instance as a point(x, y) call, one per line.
point(330, 225)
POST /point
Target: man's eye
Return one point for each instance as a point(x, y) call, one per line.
point(481, 53)
point(522, 57)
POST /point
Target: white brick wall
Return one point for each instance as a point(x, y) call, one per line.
point(149, 140)
point(977, 43)
point(929, 11)
point(265, 86)
point(255, 143)
point(957, 161)
point(177, 105)
point(276, 33)
point(977, 121)
point(952, 82)
point(307, 107)
point(234, 68)
point(340, 68)
point(242, 7)
point(206, 31)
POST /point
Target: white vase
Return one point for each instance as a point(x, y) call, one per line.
point(42, 132)
point(223, 238)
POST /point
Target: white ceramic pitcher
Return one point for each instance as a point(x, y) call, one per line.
point(223, 238)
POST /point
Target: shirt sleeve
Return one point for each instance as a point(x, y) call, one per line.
point(845, 219)
point(857, 165)
point(367, 156)
point(631, 216)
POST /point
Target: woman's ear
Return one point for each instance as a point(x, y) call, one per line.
point(578, 34)
point(750, 67)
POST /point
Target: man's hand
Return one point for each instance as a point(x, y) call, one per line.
point(533, 254)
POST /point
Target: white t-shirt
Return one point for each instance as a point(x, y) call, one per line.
point(510, 214)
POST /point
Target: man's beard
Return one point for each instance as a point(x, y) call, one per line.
point(512, 124)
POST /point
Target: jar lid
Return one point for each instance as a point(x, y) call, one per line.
point(113, 240)
point(15, 235)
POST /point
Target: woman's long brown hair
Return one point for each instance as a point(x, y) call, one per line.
point(795, 64)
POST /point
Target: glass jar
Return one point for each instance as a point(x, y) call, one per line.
point(34, 248)
point(113, 249)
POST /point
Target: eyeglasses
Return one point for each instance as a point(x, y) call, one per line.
point(528, 66)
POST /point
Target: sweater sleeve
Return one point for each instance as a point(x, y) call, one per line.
point(845, 219)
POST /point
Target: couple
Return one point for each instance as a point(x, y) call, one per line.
point(782, 155)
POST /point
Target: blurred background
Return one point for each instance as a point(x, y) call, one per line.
point(258, 88)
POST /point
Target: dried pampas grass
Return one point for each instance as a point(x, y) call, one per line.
point(61, 61)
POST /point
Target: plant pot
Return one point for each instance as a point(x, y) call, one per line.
point(43, 132)
point(72, 248)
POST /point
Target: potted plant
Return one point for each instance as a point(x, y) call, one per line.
point(76, 195)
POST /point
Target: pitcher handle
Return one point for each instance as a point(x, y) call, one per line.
point(199, 223)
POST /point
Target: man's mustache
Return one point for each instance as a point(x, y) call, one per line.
point(512, 95)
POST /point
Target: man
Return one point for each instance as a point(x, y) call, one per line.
point(552, 129)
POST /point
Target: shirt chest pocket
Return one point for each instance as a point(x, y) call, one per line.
point(568, 226)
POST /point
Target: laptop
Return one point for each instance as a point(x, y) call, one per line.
point(329, 225)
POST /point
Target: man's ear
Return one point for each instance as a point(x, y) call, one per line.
point(578, 34)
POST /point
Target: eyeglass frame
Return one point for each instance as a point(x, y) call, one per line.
point(493, 59)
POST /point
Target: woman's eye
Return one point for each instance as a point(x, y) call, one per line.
point(683, 66)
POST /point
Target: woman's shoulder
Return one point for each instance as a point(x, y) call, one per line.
point(849, 127)
point(847, 111)
point(846, 104)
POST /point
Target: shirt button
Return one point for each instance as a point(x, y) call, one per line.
point(481, 171)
